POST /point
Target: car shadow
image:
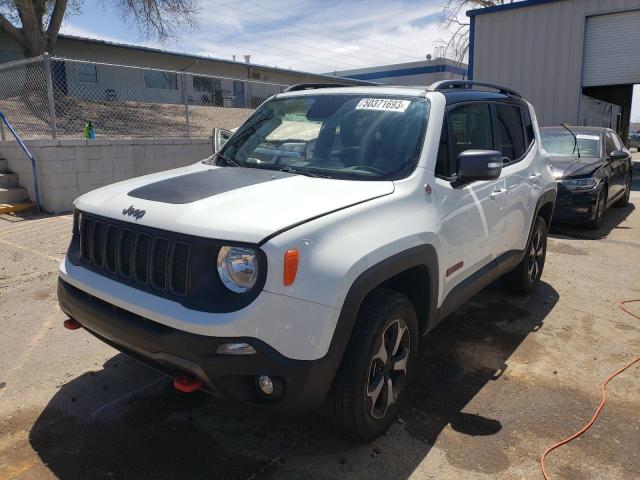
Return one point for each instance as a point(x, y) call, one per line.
point(613, 218)
point(126, 421)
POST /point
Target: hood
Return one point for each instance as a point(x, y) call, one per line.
point(227, 203)
point(570, 166)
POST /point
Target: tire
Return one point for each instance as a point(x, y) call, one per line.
point(358, 401)
point(524, 278)
point(601, 205)
point(624, 200)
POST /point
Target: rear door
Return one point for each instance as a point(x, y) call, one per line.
point(514, 139)
point(472, 216)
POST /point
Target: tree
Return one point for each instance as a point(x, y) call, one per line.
point(35, 24)
point(454, 22)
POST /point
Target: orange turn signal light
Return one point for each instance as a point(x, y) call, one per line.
point(290, 266)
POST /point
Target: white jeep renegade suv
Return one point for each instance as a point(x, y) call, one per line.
point(299, 265)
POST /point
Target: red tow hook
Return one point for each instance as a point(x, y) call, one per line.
point(71, 324)
point(186, 383)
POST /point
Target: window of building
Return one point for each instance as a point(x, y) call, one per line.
point(203, 84)
point(161, 80)
point(509, 132)
point(87, 72)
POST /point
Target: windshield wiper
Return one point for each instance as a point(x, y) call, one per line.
point(302, 172)
point(228, 161)
point(575, 139)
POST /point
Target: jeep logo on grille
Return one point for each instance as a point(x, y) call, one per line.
point(133, 212)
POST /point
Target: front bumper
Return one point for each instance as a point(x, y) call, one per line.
point(575, 206)
point(303, 384)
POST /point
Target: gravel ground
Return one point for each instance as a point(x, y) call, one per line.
point(498, 382)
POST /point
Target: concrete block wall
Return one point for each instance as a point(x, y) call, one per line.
point(69, 168)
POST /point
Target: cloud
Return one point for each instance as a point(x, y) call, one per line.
point(301, 34)
point(70, 29)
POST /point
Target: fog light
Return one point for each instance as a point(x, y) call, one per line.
point(265, 384)
point(235, 349)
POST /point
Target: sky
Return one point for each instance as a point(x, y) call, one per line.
point(311, 35)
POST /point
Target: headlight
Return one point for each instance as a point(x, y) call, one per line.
point(581, 183)
point(238, 268)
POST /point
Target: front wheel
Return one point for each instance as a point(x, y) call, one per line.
point(601, 204)
point(373, 377)
point(526, 275)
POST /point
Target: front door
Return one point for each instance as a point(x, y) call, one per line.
point(613, 167)
point(471, 216)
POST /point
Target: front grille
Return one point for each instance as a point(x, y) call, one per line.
point(140, 257)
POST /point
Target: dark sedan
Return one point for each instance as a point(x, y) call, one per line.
point(593, 170)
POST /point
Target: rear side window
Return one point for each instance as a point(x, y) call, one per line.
point(510, 139)
point(528, 126)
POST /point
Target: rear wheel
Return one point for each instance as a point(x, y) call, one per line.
point(373, 377)
point(601, 204)
point(526, 275)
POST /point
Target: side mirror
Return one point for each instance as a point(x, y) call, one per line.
point(474, 165)
point(618, 155)
point(220, 137)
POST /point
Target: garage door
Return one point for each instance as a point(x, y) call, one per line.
point(612, 49)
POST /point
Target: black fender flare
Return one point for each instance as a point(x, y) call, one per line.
point(548, 197)
point(421, 255)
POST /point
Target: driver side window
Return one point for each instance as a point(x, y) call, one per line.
point(467, 127)
point(609, 145)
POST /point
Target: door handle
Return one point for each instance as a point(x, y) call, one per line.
point(499, 193)
point(534, 176)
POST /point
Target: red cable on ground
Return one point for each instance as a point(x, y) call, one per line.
point(602, 401)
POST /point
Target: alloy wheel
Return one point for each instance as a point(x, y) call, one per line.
point(536, 256)
point(388, 369)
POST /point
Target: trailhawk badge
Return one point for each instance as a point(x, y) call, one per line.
point(133, 212)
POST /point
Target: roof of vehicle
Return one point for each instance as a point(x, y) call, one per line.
point(453, 95)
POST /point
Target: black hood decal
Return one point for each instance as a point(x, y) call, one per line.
point(199, 185)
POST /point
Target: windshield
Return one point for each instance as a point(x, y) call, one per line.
point(338, 136)
point(561, 142)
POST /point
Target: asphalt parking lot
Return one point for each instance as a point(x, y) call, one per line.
point(498, 382)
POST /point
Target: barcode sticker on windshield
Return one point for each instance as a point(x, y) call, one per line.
point(383, 104)
point(583, 136)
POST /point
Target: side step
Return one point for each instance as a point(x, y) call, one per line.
point(13, 195)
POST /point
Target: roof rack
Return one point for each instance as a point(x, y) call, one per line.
point(313, 86)
point(469, 84)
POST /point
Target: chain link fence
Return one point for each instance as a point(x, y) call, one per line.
point(51, 97)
